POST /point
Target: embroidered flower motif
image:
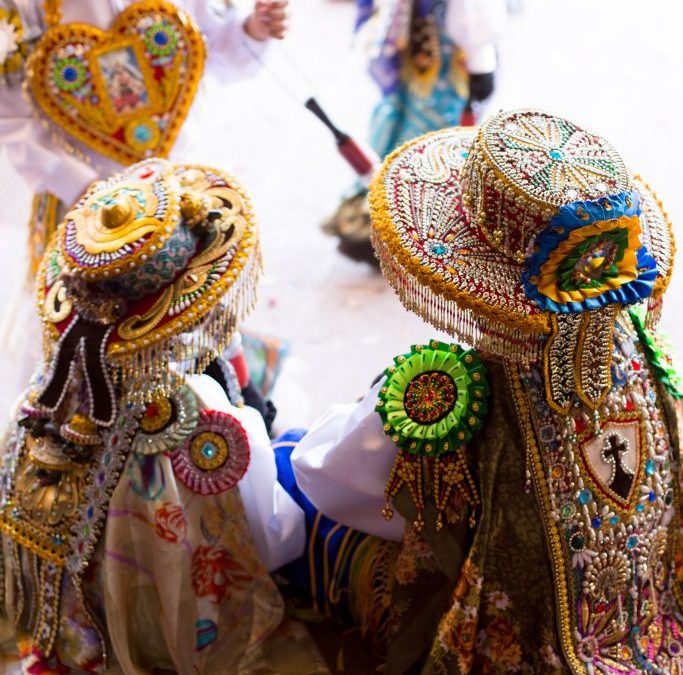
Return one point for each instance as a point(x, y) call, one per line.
point(215, 573)
point(549, 657)
point(580, 554)
point(415, 556)
point(591, 256)
point(456, 634)
point(499, 600)
point(170, 523)
point(498, 642)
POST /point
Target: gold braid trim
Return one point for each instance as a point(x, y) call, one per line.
point(53, 12)
point(553, 537)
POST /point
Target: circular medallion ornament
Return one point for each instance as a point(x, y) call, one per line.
point(161, 39)
point(167, 422)
point(157, 416)
point(430, 397)
point(69, 74)
point(209, 451)
point(215, 456)
point(433, 398)
point(142, 134)
point(589, 256)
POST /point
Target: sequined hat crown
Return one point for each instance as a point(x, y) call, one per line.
point(496, 234)
point(153, 266)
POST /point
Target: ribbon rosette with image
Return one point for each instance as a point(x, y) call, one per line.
point(432, 401)
point(590, 256)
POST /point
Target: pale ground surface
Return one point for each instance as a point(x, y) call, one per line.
point(613, 65)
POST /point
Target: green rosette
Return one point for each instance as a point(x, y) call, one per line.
point(658, 354)
point(434, 398)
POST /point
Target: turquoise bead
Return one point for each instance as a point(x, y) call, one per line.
point(209, 450)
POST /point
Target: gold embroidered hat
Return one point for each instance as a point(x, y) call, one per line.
point(152, 266)
point(505, 235)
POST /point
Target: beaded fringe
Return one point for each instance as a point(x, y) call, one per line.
point(162, 367)
point(654, 313)
point(482, 333)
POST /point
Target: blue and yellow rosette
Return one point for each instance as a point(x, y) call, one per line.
point(432, 401)
point(582, 268)
point(590, 256)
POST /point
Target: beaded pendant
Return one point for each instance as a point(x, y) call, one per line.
point(433, 399)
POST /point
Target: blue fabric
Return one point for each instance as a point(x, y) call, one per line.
point(572, 217)
point(404, 114)
point(327, 540)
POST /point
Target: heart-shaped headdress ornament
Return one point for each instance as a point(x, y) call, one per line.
point(123, 92)
point(145, 282)
point(523, 238)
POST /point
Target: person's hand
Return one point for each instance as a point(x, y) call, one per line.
point(481, 86)
point(268, 20)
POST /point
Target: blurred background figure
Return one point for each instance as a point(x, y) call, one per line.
point(434, 62)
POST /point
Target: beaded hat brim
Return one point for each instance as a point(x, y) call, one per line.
point(181, 293)
point(445, 269)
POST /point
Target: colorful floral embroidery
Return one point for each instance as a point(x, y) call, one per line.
point(610, 519)
point(415, 556)
point(499, 646)
point(170, 523)
point(457, 632)
point(215, 574)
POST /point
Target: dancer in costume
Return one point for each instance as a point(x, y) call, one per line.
point(108, 84)
point(139, 509)
point(534, 475)
point(431, 60)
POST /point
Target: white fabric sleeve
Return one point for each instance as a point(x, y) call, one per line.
point(475, 26)
point(32, 152)
point(343, 463)
point(276, 522)
point(230, 50)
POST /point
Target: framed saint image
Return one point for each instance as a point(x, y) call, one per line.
point(124, 80)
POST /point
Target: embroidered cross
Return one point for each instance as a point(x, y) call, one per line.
point(622, 478)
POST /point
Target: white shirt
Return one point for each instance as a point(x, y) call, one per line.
point(343, 463)
point(276, 522)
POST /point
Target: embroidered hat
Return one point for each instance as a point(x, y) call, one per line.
point(498, 235)
point(524, 239)
point(154, 265)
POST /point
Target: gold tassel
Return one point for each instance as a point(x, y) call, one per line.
point(407, 470)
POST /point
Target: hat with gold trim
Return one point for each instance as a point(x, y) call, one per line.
point(528, 228)
point(153, 266)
